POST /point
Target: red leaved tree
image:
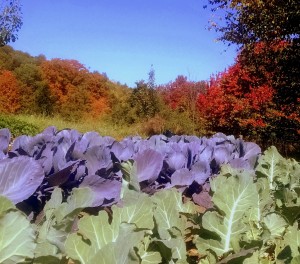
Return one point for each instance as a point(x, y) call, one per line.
point(181, 94)
point(236, 102)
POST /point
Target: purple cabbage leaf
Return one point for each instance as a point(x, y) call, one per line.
point(5, 137)
point(19, 178)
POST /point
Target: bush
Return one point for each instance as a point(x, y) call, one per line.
point(16, 126)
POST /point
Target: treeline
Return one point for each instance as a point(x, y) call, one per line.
point(66, 88)
point(35, 85)
point(260, 103)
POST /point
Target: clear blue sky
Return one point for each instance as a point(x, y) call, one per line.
point(123, 38)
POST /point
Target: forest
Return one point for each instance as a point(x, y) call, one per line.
point(237, 101)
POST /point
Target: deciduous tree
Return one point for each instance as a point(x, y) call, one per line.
point(10, 93)
point(96, 85)
point(10, 20)
point(65, 79)
point(268, 35)
point(237, 103)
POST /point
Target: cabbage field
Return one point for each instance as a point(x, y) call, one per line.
point(68, 197)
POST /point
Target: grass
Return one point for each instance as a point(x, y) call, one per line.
point(103, 127)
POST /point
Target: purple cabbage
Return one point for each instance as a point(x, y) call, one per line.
point(69, 159)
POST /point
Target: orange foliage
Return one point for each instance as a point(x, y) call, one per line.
point(98, 107)
point(74, 89)
point(62, 76)
point(10, 93)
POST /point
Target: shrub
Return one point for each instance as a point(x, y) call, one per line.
point(16, 126)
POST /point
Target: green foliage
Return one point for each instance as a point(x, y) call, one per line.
point(143, 103)
point(255, 216)
point(16, 244)
point(10, 21)
point(145, 229)
point(249, 21)
point(16, 126)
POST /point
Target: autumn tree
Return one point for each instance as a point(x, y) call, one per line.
point(35, 94)
point(118, 96)
point(96, 85)
point(181, 94)
point(10, 93)
point(267, 33)
point(10, 21)
point(236, 103)
point(65, 79)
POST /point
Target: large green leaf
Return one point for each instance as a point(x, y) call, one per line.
point(177, 246)
point(283, 177)
point(166, 213)
point(121, 251)
point(253, 259)
point(5, 204)
point(117, 249)
point(296, 260)
point(80, 198)
point(58, 220)
point(45, 248)
point(273, 166)
point(234, 197)
point(292, 239)
point(55, 200)
point(98, 230)
point(146, 255)
point(16, 238)
point(275, 224)
point(130, 177)
point(77, 249)
point(140, 214)
point(103, 234)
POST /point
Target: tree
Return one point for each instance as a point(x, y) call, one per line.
point(65, 79)
point(236, 103)
point(96, 86)
point(35, 94)
point(151, 78)
point(10, 21)
point(181, 94)
point(268, 36)
point(143, 102)
point(250, 21)
point(10, 93)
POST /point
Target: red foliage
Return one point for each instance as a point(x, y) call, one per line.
point(181, 93)
point(235, 100)
point(252, 96)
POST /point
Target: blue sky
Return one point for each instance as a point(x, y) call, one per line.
point(123, 38)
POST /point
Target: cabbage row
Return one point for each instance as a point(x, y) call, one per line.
point(32, 166)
